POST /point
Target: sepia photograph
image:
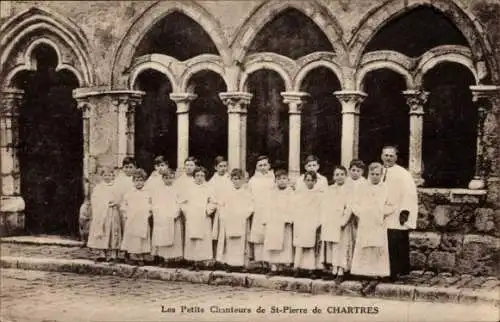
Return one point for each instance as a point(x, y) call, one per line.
point(250, 160)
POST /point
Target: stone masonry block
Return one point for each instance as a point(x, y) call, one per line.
point(418, 260)
point(451, 242)
point(352, 288)
point(480, 256)
point(436, 294)
point(224, 278)
point(200, 277)
point(442, 215)
point(441, 261)
point(470, 296)
point(424, 240)
point(395, 291)
point(323, 287)
point(484, 219)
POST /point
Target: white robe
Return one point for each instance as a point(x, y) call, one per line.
point(278, 228)
point(221, 186)
point(167, 225)
point(154, 181)
point(261, 186)
point(198, 204)
point(137, 207)
point(402, 196)
point(371, 253)
point(105, 227)
point(235, 209)
point(321, 183)
point(124, 185)
point(306, 220)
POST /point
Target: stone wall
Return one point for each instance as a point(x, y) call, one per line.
point(456, 235)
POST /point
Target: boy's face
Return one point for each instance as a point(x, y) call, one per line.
point(282, 182)
point(237, 182)
point(339, 176)
point(108, 176)
point(190, 166)
point(199, 177)
point(375, 175)
point(263, 166)
point(309, 181)
point(355, 172)
point(312, 166)
point(161, 167)
point(168, 179)
point(128, 169)
point(138, 182)
point(221, 168)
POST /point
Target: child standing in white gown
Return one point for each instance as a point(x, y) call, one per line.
point(155, 179)
point(235, 209)
point(167, 228)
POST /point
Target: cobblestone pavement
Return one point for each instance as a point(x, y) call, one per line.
point(419, 278)
point(47, 296)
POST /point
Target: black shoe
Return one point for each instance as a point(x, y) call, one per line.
point(100, 259)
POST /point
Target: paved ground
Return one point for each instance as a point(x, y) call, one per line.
point(416, 278)
point(46, 296)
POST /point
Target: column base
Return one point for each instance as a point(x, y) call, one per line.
point(477, 183)
point(12, 219)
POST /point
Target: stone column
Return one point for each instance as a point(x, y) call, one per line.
point(351, 101)
point(482, 96)
point(295, 101)
point(182, 100)
point(416, 100)
point(11, 203)
point(86, 107)
point(125, 105)
point(237, 103)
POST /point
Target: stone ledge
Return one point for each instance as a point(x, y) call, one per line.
point(304, 285)
point(456, 195)
point(41, 240)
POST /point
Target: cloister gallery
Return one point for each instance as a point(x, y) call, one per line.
point(85, 84)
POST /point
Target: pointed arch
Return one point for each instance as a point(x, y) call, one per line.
point(270, 9)
point(468, 25)
point(157, 11)
point(63, 35)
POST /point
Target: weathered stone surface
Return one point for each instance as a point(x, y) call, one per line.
point(350, 288)
point(158, 273)
point(471, 296)
point(436, 294)
point(192, 276)
point(323, 287)
point(451, 242)
point(442, 215)
point(258, 280)
point(462, 219)
point(418, 260)
point(484, 219)
point(224, 278)
point(11, 223)
point(424, 218)
point(480, 256)
point(302, 285)
point(392, 291)
point(424, 240)
point(441, 261)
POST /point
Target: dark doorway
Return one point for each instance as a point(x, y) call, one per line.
point(208, 135)
point(155, 121)
point(450, 127)
point(50, 147)
point(384, 116)
point(267, 120)
point(321, 119)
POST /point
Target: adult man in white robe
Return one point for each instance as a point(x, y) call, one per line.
point(402, 193)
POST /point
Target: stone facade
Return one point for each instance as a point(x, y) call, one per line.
point(97, 42)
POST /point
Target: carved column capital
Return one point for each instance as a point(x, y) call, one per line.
point(295, 101)
point(127, 102)
point(11, 101)
point(182, 100)
point(483, 92)
point(416, 100)
point(84, 105)
point(350, 100)
point(236, 102)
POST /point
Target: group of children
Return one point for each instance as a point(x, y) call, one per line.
point(268, 224)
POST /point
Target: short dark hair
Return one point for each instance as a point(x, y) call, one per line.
point(312, 174)
point(129, 160)
point(192, 159)
point(159, 160)
point(139, 174)
point(311, 158)
point(375, 165)
point(357, 163)
point(391, 146)
point(280, 172)
point(168, 174)
point(238, 173)
point(200, 169)
point(219, 159)
point(262, 157)
point(339, 167)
